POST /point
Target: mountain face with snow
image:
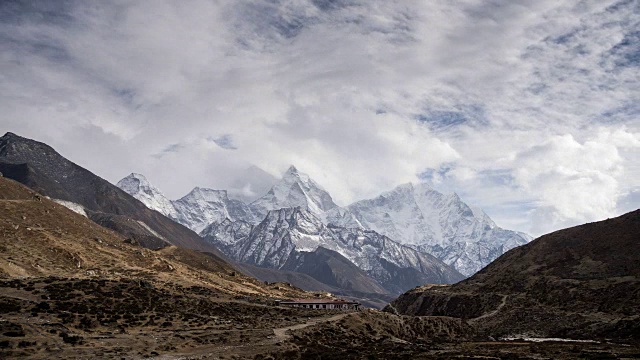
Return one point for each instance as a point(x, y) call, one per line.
point(202, 207)
point(196, 210)
point(139, 187)
point(284, 234)
point(425, 219)
point(296, 189)
point(227, 234)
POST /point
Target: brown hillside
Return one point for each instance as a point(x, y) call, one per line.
point(581, 282)
point(39, 237)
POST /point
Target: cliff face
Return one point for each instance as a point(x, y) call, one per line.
point(581, 282)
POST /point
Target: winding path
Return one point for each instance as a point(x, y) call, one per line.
point(491, 313)
point(281, 333)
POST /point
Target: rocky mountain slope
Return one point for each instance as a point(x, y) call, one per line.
point(432, 222)
point(41, 168)
point(582, 282)
point(291, 239)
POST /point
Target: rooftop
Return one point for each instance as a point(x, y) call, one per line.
point(318, 301)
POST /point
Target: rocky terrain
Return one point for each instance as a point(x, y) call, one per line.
point(579, 283)
point(71, 288)
point(40, 238)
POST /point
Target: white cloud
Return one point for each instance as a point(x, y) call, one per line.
point(573, 182)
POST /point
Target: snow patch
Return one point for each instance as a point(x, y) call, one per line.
point(150, 230)
point(76, 208)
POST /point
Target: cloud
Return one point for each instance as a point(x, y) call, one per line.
point(492, 99)
point(225, 141)
point(573, 181)
point(172, 148)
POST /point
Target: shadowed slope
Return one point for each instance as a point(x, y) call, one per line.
point(41, 168)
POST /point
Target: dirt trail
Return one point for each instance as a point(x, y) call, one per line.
point(281, 333)
point(491, 313)
point(251, 347)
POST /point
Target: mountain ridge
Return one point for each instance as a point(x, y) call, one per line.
point(44, 170)
point(439, 224)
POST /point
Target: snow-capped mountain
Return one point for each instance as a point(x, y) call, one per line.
point(196, 210)
point(414, 215)
point(227, 234)
point(425, 219)
point(202, 207)
point(139, 187)
point(295, 189)
point(286, 232)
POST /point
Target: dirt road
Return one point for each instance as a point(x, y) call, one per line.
point(281, 333)
point(491, 313)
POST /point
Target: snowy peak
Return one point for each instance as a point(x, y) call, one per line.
point(199, 208)
point(207, 195)
point(291, 171)
point(135, 183)
point(202, 207)
point(295, 189)
point(140, 188)
point(440, 224)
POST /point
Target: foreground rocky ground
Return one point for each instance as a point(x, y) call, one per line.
point(84, 318)
point(62, 318)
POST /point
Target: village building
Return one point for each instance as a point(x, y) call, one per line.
point(322, 304)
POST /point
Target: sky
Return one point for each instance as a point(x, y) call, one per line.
point(527, 109)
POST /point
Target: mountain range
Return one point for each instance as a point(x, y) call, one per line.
point(287, 238)
point(432, 222)
point(284, 230)
point(415, 216)
point(40, 167)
